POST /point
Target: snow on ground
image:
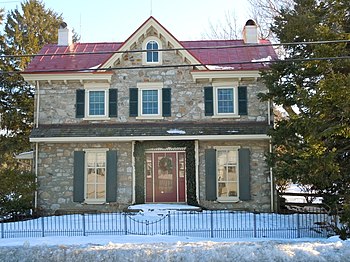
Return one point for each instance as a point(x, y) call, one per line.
point(168, 248)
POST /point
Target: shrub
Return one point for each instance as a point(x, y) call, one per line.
point(17, 189)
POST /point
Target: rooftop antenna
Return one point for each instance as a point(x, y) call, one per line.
point(151, 7)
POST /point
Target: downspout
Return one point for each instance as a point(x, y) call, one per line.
point(272, 184)
point(36, 174)
point(196, 148)
point(37, 144)
point(133, 171)
point(37, 104)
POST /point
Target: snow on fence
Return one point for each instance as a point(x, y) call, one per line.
point(208, 224)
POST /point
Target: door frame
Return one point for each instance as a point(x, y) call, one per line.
point(153, 178)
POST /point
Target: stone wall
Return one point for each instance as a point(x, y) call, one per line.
point(259, 180)
point(55, 175)
point(57, 98)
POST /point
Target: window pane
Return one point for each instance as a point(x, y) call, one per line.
point(100, 175)
point(231, 173)
point(101, 191)
point(150, 102)
point(90, 194)
point(225, 100)
point(152, 56)
point(96, 103)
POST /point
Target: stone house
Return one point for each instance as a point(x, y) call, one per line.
point(151, 120)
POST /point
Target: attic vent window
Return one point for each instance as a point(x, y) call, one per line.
point(152, 52)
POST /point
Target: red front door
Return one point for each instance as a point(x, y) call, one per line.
point(165, 177)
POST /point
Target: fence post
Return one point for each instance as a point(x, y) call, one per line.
point(254, 224)
point(125, 224)
point(2, 230)
point(298, 225)
point(84, 231)
point(211, 224)
point(169, 223)
point(42, 227)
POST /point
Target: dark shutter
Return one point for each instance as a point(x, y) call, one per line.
point(242, 100)
point(78, 176)
point(111, 179)
point(113, 102)
point(210, 174)
point(80, 103)
point(133, 98)
point(208, 101)
point(166, 100)
point(244, 173)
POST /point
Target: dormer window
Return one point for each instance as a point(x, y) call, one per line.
point(152, 55)
point(152, 52)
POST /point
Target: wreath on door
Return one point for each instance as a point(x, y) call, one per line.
point(165, 164)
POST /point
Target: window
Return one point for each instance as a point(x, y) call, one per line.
point(225, 100)
point(227, 173)
point(95, 178)
point(96, 101)
point(150, 100)
point(152, 55)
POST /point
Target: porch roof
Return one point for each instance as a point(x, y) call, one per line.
point(169, 130)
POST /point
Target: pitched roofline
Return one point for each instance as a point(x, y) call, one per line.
point(150, 20)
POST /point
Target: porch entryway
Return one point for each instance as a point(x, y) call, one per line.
point(165, 174)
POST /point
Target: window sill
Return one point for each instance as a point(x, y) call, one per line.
point(233, 200)
point(150, 117)
point(226, 116)
point(97, 118)
point(94, 202)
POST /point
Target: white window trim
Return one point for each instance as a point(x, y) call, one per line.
point(94, 150)
point(144, 54)
point(96, 87)
point(226, 85)
point(150, 86)
point(233, 198)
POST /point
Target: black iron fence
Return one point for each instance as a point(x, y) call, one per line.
point(207, 224)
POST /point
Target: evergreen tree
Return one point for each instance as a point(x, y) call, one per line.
point(312, 145)
point(27, 29)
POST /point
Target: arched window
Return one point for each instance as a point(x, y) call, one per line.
point(152, 52)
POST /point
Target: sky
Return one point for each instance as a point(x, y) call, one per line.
point(116, 20)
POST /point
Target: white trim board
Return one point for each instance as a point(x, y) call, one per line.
point(147, 138)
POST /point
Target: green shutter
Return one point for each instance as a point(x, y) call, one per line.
point(113, 102)
point(210, 174)
point(111, 179)
point(244, 173)
point(166, 100)
point(133, 97)
point(242, 100)
point(208, 101)
point(80, 103)
point(78, 176)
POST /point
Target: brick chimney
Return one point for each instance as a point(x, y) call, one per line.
point(64, 35)
point(250, 32)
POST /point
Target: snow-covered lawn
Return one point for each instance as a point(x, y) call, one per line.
point(170, 248)
point(102, 245)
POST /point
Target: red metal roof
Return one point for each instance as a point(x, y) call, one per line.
point(78, 62)
point(215, 58)
point(235, 58)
